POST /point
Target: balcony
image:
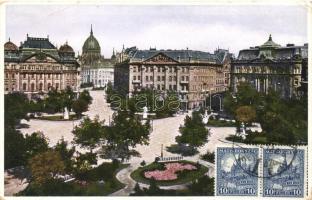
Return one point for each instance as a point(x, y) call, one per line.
point(136, 81)
point(184, 91)
point(184, 81)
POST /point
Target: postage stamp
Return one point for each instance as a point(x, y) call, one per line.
point(283, 172)
point(233, 165)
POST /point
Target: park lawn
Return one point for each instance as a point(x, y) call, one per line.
point(92, 188)
point(138, 174)
point(220, 123)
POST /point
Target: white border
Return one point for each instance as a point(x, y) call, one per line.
point(305, 3)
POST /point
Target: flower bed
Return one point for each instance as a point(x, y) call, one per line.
point(169, 173)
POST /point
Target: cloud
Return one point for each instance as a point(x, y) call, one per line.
point(166, 27)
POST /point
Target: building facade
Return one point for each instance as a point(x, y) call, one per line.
point(95, 68)
point(272, 66)
point(192, 74)
point(38, 66)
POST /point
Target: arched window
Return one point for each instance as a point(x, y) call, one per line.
point(49, 86)
point(24, 86)
point(32, 87)
point(40, 86)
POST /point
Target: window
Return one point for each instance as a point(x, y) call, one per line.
point(182, 78)
point(24, 75)
point(134, 78)
point(151, 69)
point(13, 75)
point(170, 69)
point(170, 87)
point(139, 77)
point(134, 69)
point(158, 69)
point(158, 78)
point(40, 86)
point(158, 87)
point(187, 78)
point(175, 87)
point(146, 69)
point(146, 78)
point(24, 86)
point(163, 78)
point(151, 78)
point(163, 87)
point(6, 75)
point(170, 78)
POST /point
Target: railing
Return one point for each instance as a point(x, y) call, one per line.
point(174, 158)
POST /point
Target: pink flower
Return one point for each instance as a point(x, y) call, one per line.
point(170, 172)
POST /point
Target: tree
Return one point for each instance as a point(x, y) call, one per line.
point(126, 132)
point(80, 106)
point(45, 166)
point(14, 148)
point(194, 132)
point(89, 133)
point(15, 108)
point(85, 95)
point(66, 154)
point(35, 143)
point(245, 114)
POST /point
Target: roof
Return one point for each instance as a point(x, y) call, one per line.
point(38, 43)
point(10, 46)
point(91, 44)
point(277, 52)
point(270, 43)
point(66, 48)
point(178, 55)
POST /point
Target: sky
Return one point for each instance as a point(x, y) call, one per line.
point(204, 27)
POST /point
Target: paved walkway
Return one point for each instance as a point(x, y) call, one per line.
point(164, 132)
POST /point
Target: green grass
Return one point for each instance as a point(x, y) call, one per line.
point(93, 188)
point(57, 118)
point(220, 123)
point(183, 177)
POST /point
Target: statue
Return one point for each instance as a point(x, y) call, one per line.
point(206, 117)
point(243, 132)
point(66, 113)
point(145, 110)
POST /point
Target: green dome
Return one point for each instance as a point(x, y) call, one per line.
point(270, 43)
point(91, 44)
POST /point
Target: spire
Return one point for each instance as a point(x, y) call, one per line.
point(9, 39)
point(91, 32)
point(270, 38)
point(113, 51)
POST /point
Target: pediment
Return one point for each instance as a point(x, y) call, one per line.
point(161, 58)
point(40, 58)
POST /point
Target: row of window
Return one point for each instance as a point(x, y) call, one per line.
point(161, 78)
point(57, 76)
point(160, 69)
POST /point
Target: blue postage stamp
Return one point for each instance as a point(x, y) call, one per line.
point(283, 172)
point(237, 171)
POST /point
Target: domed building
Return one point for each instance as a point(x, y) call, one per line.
point(96, 70)
point(38, 66)
point(272, 66)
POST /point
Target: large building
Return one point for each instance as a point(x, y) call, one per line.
point(281, 68)
point(95, 68)
point(192, 74)
point(38, 66)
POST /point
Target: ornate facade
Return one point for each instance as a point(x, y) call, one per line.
point(95, 68)
point(283, 69)
point(192, 74)
point(38, 66)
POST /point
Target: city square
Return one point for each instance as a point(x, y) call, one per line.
point(181, 109)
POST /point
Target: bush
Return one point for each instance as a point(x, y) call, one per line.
point(210, 157)
point(182, 150)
